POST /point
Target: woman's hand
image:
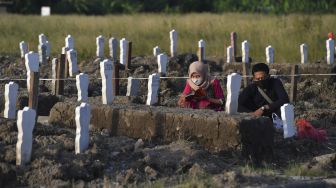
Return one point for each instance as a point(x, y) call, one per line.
point(216, 101)
point(181, 101)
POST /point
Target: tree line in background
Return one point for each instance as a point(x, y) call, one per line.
point(173, 6)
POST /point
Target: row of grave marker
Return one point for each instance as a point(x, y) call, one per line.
point(44, 49)
point(26, 120)
point(27, 116)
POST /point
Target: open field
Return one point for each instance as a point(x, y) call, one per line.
point(284, 33)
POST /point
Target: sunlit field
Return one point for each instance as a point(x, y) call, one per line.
point(284, 33)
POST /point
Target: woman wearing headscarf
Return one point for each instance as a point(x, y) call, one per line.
point(201, 91)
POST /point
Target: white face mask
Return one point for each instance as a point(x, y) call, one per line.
point(197, 81)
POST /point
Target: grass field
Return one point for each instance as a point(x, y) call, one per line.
point(284, 33)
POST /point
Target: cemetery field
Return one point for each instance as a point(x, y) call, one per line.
point(115, 160)
point(87, 136)
point(285, 33)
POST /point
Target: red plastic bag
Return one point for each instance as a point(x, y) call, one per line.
point(306, 130)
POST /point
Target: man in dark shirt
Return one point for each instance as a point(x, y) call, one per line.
point(252, 100)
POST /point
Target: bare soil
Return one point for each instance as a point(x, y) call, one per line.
point(121, 161)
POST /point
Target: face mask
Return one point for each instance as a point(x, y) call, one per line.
point(265, 84)
point(197, 81)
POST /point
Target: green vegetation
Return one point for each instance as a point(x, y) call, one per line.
point(284, 33)
point(302, 170)
point(174, 6)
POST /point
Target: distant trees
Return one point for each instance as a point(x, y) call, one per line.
point(174, 6)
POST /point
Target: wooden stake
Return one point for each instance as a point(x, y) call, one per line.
point(33, 91)
point(234, 44)
point(66, 65)
point(128, 56)
point(115, 75)
point(246, 73)
point(60, 75)
point(201, 54)
point(294, 79)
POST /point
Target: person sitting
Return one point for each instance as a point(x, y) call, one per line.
point(264, 96)
point(201, 91)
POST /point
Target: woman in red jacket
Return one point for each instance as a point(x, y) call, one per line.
point(201, 91)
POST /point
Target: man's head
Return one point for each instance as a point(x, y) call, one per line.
point(260, 72)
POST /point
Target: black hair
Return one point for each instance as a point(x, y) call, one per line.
point(260, 67)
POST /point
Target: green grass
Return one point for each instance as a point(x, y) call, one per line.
point(284, 33)
point(301, 170)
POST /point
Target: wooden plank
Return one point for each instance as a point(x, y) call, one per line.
point(246, 73)
point(234, 44)
point(128, 56)
point(115, 75)
point(60, 75)
point(33, 91)
point(201, 54)
point(66, 65)
point(294, 79)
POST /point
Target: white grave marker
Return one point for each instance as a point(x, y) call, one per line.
point(45, 11)
point(42, 38)
point(201, 49)
point(100, 42)
point(32, 65)
point(48, 45)
point(42, 49)
point(156, 51)
point(113, 44)
point(133, 86)
point(23, 48)
point(64, 50)
point(25, 125)
point(304, 53)
point(287, 116)
point(83, 116)
point(229, 54)
point(269, 54)
point(162, 60)
point(233, 87)
point(330, 51)
point(173, 43)
point(245, 52)
point(123, 51)
point(72, 59)
point(69, 42)
point(11, 91)
point(106, 71)
point(54, 63)
point(153, 89)
point(82, 83)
